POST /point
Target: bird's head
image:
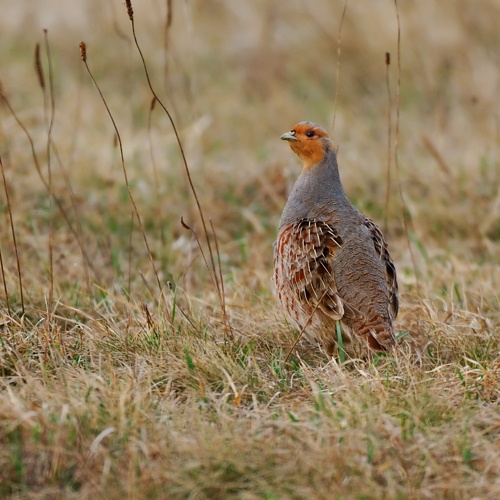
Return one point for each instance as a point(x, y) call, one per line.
point(309, 142)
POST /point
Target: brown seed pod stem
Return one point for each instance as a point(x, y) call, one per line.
point(83, 53)
point(38, 67)
point(13, 232)
point(213, 268)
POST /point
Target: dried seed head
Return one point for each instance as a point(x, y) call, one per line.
point(83, 51)
point(130, 10)
point(169, 14)
point(387, 58)
point(38, 67)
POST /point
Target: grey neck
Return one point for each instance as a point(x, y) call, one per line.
point(317, 190)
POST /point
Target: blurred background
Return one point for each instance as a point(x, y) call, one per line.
point(235, 75)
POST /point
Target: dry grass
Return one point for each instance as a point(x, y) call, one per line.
point(113, 388)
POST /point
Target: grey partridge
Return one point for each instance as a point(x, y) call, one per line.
point(331, 263)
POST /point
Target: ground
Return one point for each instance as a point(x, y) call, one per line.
point(147, 355)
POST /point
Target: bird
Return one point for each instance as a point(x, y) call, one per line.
point(331, 263)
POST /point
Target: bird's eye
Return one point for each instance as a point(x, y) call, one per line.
point(310, 133)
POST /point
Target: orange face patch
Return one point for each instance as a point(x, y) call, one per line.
point(310, 145)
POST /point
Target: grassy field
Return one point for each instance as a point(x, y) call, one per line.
point(135, 364)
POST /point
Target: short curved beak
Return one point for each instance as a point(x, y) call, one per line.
point(288, 136)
